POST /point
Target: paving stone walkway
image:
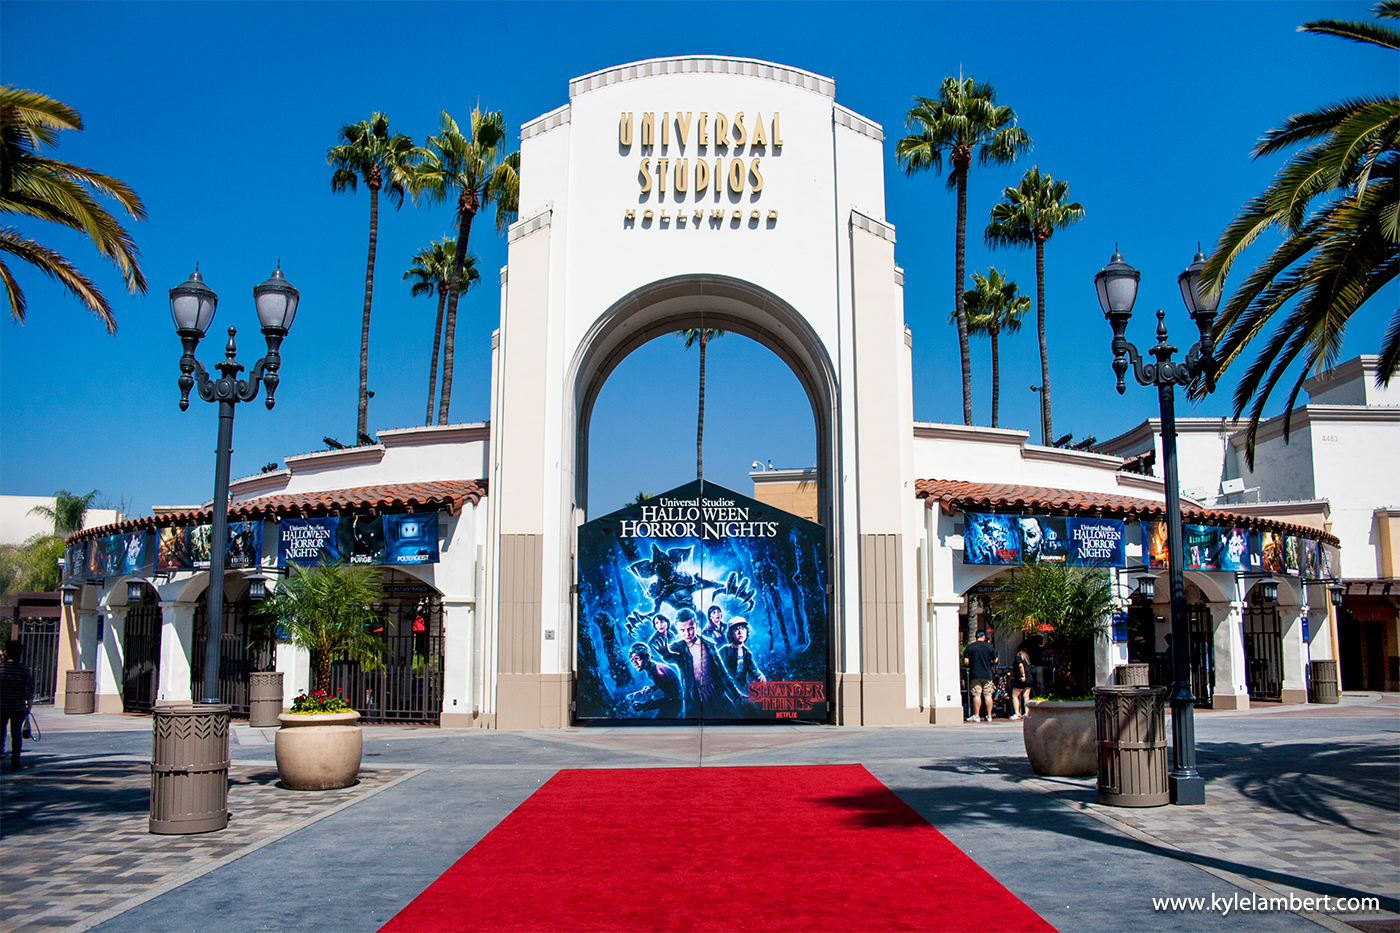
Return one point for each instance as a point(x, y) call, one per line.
point(75, 847)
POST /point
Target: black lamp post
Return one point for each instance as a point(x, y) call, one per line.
point(192, 305)
point(1117, 285)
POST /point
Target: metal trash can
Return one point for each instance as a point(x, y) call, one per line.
point(189, 769)
point(1132, 745)
point(80, 693)
point(1322, 682)
point(264, 699)
point(1131, 675)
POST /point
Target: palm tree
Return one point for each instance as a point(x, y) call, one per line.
point(1071, 606)
point(691, 336)
point(476, 167)
point(33, 185)
point(994, 305)
point(963, 117)
point(1335, 202)
point(431, 271)
point(1028, 215)
point(68, 511)
point(329, 611)
point(368, 153)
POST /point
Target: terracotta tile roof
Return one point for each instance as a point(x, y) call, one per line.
point(959, 495)
point(447, 494)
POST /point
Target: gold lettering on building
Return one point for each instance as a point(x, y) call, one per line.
point(739, 144)
point(760, 138)
point(736, 176)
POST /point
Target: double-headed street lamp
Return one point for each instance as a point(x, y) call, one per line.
point(1117, 285)
point(192, 305)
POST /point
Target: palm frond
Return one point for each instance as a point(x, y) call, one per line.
point(55, 267)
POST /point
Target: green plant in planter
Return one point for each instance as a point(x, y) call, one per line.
point(329, 611)
point(1068, 605)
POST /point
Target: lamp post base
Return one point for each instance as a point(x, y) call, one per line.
point(1187, 790)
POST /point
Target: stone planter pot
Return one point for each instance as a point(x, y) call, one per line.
point(1060, 737)
point(319, 751)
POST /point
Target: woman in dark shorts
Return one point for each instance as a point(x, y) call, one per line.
point(1020, 684)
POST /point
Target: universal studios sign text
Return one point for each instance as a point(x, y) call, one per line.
point(691, 159)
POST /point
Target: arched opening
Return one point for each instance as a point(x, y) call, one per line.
point(141, 652)
point(244, 646)
point(1263, 645)
point(740, 309)
point(642, 434)
point(408, 687)
point(710, 301)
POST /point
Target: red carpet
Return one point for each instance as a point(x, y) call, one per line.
point(809, 848)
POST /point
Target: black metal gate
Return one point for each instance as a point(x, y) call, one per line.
point(141, 654)
point(240, 653)
point(40, 639)
point(1263, 652)
point(1202, 647)
point(409, 687)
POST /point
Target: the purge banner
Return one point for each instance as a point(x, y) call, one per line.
point(702, 604)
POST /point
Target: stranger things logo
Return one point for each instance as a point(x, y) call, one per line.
point(786, 698)
point(701, 604)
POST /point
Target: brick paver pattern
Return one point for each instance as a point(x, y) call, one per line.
point(74, 838)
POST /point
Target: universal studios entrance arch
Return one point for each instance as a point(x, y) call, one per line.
point(689, 192)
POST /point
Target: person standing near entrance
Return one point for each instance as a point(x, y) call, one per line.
point(16, 698)
point(980, 659)
point(1020, 684)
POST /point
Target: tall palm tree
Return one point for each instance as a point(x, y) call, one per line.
point(994, 304)
point(68, 511)
point(476, 167)
point(1028, 215)
point(368, 153)
point(1336, 204)
point(430, 272)
point(702, 336)
point(34, 185)
point(964, 116)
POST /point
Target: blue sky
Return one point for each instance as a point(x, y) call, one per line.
point(219, 115)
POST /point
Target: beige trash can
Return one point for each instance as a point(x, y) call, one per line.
point(1322, 682)
point(189, 769)
point(1132, 746)
point(79, 693)
point(264, 699)
point(1131, 675)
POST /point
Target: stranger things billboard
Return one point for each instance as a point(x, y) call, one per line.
point(702, 604)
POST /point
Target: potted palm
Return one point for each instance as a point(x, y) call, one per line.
point(329, 611)
point(1070, 607)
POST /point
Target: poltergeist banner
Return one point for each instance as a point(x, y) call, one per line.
point(701, 603)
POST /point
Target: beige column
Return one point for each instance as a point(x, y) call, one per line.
point(1295, 654)
point(1231, 691)
point(945, 684)
point(109, 661)
point(176, 652)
